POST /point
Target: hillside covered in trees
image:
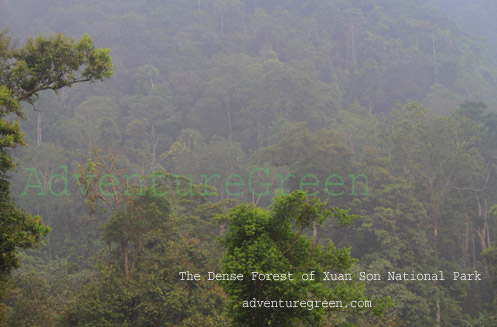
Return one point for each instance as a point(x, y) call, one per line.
point(384, 112)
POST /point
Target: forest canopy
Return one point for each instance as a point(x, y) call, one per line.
point(383, 112)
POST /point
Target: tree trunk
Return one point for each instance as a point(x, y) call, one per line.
point(38, 129)
point(466, 240)
point(314, 236)
point(481, 234)
point(126, 260)
point(435, 232)
point(435, 58)
point(487, 229)
point(438, 314)
point(229, 119)
point(110, 255)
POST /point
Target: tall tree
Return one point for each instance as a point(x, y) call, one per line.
point(42, 64)
point(275, 242)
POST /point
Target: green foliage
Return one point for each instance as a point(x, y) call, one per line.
point(34, 305)
point(145, 212)
point(154, 296)
point(274, 242)
point(219, 87)
point(54, 63)
point(39, 65)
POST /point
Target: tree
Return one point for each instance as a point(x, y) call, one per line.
point(42, 64)
point(34, 305)
point(153, 297)
point(144, 213)
point(274, 242)
point(154, 248)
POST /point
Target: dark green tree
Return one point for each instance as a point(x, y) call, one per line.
point(274, 241)
point(42, 64)
point(145, 290)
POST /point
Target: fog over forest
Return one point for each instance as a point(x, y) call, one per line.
point(248, 163)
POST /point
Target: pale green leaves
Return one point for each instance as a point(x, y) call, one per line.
point(55, 62)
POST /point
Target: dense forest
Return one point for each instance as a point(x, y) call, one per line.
point(191, 156)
